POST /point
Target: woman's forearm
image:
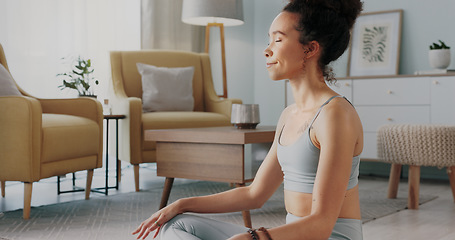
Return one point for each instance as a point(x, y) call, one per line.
point(234, 200)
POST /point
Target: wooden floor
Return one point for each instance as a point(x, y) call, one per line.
point(434, 220)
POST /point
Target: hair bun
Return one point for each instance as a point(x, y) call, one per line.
point(350, 9)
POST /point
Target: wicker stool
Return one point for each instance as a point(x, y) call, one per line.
point(416, 145)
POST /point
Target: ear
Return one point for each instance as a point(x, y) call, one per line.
point(312, 49)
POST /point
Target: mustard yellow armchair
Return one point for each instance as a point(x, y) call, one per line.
point(41, 138)
point(209, 110)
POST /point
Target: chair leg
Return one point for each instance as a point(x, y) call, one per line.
point(414, 182)
point(2, 183)
point(136, 176)
point(451, 173)
point(394, 180)
point(119, 170)
point(88, 186)
point(28, 186)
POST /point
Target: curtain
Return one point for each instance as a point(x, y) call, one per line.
point(162, 27)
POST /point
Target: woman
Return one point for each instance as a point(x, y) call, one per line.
point(316, 148)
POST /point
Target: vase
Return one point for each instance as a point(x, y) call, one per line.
point(245, 116)
point(439, 58)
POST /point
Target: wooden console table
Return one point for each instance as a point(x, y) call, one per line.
point(211, 154)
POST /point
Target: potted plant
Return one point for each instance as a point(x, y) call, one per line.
point(439, 55)
point(79, 77)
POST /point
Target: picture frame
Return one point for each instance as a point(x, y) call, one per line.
point(375, 44)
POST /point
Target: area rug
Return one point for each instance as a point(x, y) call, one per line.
point(115, 217)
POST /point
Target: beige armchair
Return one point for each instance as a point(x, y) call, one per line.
point(41, 138)
point(209, 110)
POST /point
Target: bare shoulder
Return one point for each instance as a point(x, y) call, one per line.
point(342, 114)
point(339, 108)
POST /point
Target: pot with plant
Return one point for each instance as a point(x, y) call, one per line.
point(439, 55)
point(79, 77)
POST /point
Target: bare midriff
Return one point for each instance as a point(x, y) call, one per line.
point(299, 204)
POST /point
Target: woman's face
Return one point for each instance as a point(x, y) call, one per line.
point(285, 54)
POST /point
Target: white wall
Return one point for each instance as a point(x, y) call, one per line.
point(239, 46)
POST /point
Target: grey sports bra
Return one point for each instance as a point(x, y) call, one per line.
point(299, 161)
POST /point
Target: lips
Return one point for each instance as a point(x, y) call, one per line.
point(270, 64)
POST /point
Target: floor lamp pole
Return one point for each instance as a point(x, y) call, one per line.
point(223, 54)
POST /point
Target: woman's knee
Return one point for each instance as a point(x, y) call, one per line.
point(178, 222)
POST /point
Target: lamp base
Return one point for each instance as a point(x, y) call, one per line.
point(246, 125)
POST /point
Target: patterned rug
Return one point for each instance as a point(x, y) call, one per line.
point(115, 217)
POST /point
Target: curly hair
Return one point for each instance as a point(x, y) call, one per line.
point(329, 22)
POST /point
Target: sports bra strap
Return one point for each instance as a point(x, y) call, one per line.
point(320, 108)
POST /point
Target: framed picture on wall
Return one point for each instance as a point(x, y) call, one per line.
point(375, 44)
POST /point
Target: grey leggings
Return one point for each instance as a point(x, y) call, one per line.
point(190, 227)
point(345, 228)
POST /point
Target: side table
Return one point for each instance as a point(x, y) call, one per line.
point(105, 189)
point(117, 161)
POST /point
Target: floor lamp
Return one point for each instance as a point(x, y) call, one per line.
point(214, 13)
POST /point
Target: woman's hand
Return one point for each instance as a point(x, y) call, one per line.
point(156, 221)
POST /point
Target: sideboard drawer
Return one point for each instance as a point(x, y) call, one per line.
point(373, 117)
point(393, 91)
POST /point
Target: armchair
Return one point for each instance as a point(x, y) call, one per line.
point(209, 110)
point(41, 138)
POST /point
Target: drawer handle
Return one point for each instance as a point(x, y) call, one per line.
point(389, 119)
point(389, 92)
point(347, 84)
point(435, 82)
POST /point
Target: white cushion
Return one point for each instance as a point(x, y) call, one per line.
point(166, 89)
point(7, 85)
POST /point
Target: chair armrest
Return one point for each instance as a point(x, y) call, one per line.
point(20, 138)
point(83, 107)
point(223, 106)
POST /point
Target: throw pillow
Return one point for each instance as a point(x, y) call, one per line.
point(166, 89)
point(7, 85)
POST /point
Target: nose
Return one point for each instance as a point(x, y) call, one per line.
point(268, 52)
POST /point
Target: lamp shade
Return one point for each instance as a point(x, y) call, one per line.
point(202, 12)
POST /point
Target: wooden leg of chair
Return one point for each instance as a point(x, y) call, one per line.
point(119, 170)
point(166, 191)
point(136, 176)
point(394, 180)
point(88, 185)
point(2, 183)
point(245, 214)
point(414, 182)
point(451, 173)
point(27, 199)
